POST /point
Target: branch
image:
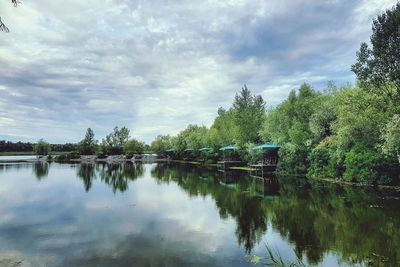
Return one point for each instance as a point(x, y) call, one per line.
point(3, 27)
point(15, 2)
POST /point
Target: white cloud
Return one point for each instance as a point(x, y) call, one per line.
point(156, 67)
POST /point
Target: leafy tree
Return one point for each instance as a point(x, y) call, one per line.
point(378, 68)
point(321, 122)
point(360, 118)
point(161, 143)
point(41, 147)
point(195, 136)
point(222, 131)
point(192, 137)
point(114, 142)
point(249, 113)
point(391, 137)
point(361, 166)
point(88, 145)
point(133, 146)
point(289, 126)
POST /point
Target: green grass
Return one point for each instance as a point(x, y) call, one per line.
point(275, 260)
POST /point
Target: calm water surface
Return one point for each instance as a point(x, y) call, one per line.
point(182, 215)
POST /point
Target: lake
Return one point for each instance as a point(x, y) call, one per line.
point(186, 215)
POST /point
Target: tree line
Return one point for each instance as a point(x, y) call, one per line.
point(350, 133)
point(8, 146)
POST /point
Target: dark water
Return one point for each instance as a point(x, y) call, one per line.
point(183, 215)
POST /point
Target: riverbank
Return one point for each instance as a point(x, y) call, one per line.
point(341, 182)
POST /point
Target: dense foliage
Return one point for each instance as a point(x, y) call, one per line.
point(239, 125)
point(41, 147)
point(8, 146)
point(349, 133)
point(133, 147)
point(114, 142)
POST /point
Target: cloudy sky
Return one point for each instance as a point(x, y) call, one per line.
point(156, 66)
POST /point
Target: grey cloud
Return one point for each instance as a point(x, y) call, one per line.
point(103, 63)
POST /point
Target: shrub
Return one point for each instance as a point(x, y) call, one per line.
point(366, 167)
point(320, 162)
point(67, 156)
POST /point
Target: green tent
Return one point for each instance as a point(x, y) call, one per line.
point(229, 148)
point(266, 147)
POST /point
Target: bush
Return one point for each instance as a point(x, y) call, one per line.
point(366, 167)
point(320, 163)
point(41, 147)
point(293, 158)
point(67, 156)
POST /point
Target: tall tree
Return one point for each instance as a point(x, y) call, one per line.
point(249, 113)
point(222, 131)
point(114, 142)
point(41, 147)
point(88, 145)
point(378, 68)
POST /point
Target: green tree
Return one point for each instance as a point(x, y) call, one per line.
point(249, 114)
point(41, 147)
point(222, 131)
point(88, 145)
point(288, 125)
point(378, 68)
point(133, 146)
point(192, 137)
point(114, 142)
point(161, 143)
point(391, 137)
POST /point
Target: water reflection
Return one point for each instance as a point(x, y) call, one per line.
point(116, 176)
point(355, 225)
point(87, 172)
point(41, 170)
point(233, 193)
point(358, 224)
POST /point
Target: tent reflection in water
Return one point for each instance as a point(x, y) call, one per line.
point(267, 159)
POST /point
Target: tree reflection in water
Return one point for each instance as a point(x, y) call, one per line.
point(87, 172)
point(115, 175)
point(231, 192)
point(357, 224)
point(41, 169)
